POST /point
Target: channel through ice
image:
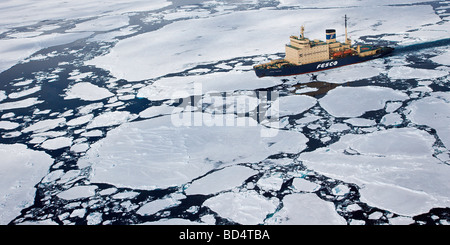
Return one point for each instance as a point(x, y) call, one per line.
point(137, 112)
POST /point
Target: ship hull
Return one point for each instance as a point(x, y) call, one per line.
point(319, 66)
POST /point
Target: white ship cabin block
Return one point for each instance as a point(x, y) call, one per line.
point(303, 51)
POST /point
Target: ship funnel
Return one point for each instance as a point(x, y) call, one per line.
point(331, 35)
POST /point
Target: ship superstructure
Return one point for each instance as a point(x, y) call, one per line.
point(304, 55)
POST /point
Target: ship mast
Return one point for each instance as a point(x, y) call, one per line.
point(347, 41)
point(302, 32)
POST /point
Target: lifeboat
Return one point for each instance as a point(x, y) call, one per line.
point(337, 54)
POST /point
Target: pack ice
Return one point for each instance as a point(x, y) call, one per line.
point(112, 154)
point(155, 154)
point(21, 168)
point(395, 169)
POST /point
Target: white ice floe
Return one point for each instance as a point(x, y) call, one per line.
point(8, 125)
point(361, 122)
point(346, 3)
point(271, 183)
point(401, 220)
point(112, 35)
point(392, 119)
point(306, 209)
point(45, 125)
point(103, 23)
point(23, 12)
point(20, 170)
point(392, 106)
point(176, 87)
point(87, 91)
point(80, 120)
point(125, 195)
point(352, 73)
point(291, 105)
point(82, 147)
point(220, 180)
point(340, 190)
point(92, 133)
point(77, 192)
point(231, 103)
point(157, 154)
point(15, 50)
point(433, 111)
point(154, 111)
point(391, 166)
point(94, 218)
point(23, 83)
point(83, 110)
point(405, 72)
point(442, 58)
point(108, 15)
point(19, 104)
point(57, 143)
point(173, 221)
point(25, 92)
point(338, 127)
point(399, 199)
point(301, 184)
point(3, 95)
point(160, 204)
point(79, 76)
point(51, 134)
point(183, 13)
point(246, 208)
point(110, 119)
point(355, 101)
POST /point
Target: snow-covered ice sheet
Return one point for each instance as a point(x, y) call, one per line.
point(20, 169)
point(353, 72)
point(104, 23)
point(391, 166)
point(176, 87)
point(306, 209)
point(346, 3)
point(355, 101)
point(405, 72)
point(19, 104)
point(110, 118)
point(290, 105)
point(433, 111)
point(442, 58)
point(220, 180)
point(247, 208)
point(44, 125)
point(8, 125)
point(23, 93)
point(87, 91)
point(77, 192)
point(155, 154)
point(15, 50)
point(23, 12)
point(157, 205)
point(215, 37)
point(57, 143)
point(95, 16)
